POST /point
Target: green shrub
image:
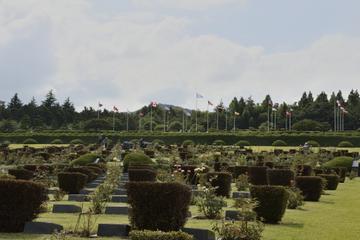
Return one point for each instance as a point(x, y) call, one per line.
point(242, 143)
point(57, 141)
point(332, 181)
point(158, 142)
point(295, 198)
point(257, 175)
point(158, 235)
point(281, 177)
point(30, 141)
point(136, 158)
point(84, 170)
point(242, 182)
point(20, 202)
point(313, 143)
point(142, 175)
point(279, 143)
point(222, 182)
point(311, 187)
point(239, 230)
point(72, 182)
point(272, 202)
point(345, 144)
point(85, 159)
point(77, 141)
point(339, 162)
point(21, 174)
point(158, 206)
point(219, 143)
point(187, 143)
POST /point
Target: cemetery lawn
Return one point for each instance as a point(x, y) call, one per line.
point(335, 217)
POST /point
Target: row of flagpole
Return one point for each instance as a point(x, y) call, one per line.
point(339, 116)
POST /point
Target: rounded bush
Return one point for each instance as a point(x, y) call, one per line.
point(272, 202)
point(22, 174)
point(345, 144)
point(313, 143)
point(72, 182)
point(57, 141)
point(85, 159)
point(281, 177)
point(219, 143)
point(339, 162)
point(20, 202)
point(332, 181)
point(77, 141)
point(242, 143)
point(158, 206)
point(136, 158)
point(222, 182)
point(30, 141)
point(158, 235)
point(142, 175)
point(279, 143)
point(257, 175)
point(311, 187)
point(187, 143)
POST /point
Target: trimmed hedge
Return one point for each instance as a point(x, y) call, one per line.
point(332, 181)
point(311, 187)
point(158, 235)
point(219, 142)
point(136, 158)
point(77, 141)
point(222, 182)
point(72, 182)
point(20, 202)
point(158, 206)
point(57, 141)
point(281, 177)
point(85, 159)
point(345, 144)
point(142, 175)
point(30, 141)
point(84, 170)
point(257, 175)
point(304, 170)
point(272, 202)
point(279, 143)
point(339, 162)
point(21, 174)
point(242, 143)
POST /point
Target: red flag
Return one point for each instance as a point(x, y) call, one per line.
point(154, 104)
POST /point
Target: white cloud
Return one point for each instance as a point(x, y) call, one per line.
point(131, 59)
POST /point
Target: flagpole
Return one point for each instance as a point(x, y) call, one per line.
point(196, 125)
point(151, 118)
point(334, 115)
point(217, 119)
point(207, 118)
point(127, 120)
point(164, 120)
point(286, 121)
point(275, 120)
point(139, 123)
point(290, 120)
point(268, 117)
point(113, 121)
point(234, 122)
point(226, 123)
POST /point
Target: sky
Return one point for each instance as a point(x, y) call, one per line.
point(130, 52)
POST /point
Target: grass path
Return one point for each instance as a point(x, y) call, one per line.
point(335, 217)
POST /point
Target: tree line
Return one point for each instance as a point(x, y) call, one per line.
point(309, 113)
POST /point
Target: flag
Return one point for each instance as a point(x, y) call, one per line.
point(338, 103)
point(141, 114)
point(153, 104)
point(270, 103)
point(187, 113)
point(115, 109)
point(274, 109)
point(236, 113)
point(166, 108)
point(100, 105)
point(198, 95)
point(210, 103)
point(288, 113)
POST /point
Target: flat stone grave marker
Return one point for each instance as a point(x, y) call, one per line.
point(117, 210)
point(78, 197)
point(66, 208)
point(241, 194)
point(111, 230)
point(232, 215)
point(120, 191)
point(119, 199)
point(92, 185)
point(200, 234)
point(86, 191)
point(42, 228)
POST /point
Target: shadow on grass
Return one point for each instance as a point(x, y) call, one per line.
point(326, 202)
point(292, 225)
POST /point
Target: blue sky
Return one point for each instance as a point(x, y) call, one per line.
point(130, 52)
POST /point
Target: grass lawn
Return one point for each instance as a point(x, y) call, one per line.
point(335, 217)
point(16, 146)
